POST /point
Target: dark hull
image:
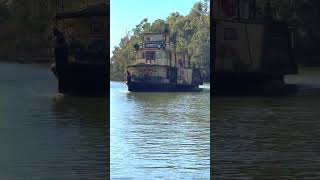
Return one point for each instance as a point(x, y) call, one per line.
point(82, 80)
point(244, 78)
point(161, 87)
point(248, 84)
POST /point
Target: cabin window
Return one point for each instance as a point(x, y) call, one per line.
point(150, 55)
point(229, 8)
point(97, 28)
point(230, 34)
point(160, 55)
point(180, 62)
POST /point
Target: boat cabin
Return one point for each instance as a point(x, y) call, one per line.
point(86, 32)
point(242, 9)
point(248, 40)
point(157, 61)
point(157, 50)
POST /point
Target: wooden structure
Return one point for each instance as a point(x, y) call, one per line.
point(250, 46)
point(86, 34)
point(160, 68)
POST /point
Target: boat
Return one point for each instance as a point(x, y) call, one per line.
point(252, 50)
point(81, 50)
point(160, 68)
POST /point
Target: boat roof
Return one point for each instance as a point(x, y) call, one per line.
point(147, 65)
point(99, 9)
point(153, 33)
point(165, 31)
point(147, 33)
point(153, 49)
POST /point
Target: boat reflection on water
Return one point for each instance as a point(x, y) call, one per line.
point(166, 97)
point(161, 97)
point(89, 109)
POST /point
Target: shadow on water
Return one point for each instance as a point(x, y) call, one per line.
point(251, 91)
point(165, 95)
point(153, 97)
point(94, 109)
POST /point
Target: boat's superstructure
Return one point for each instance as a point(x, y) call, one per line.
point(160, 68)
point(251, 47)
point(81, 50)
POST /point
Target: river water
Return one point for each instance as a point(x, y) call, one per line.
point(269, 137)
point(159, 135)
point(45, 135)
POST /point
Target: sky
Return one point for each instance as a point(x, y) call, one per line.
point(126, 14)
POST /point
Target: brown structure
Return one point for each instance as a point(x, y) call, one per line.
point(81, 50)
point(160, 68)
point(251, 47)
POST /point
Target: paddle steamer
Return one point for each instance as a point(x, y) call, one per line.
point(160, 68)
point(81, 50)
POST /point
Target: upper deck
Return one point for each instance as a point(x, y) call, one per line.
point(90, 22)
point(158, 50)
point(86, 32)
point(155, 41)
point(254, 11)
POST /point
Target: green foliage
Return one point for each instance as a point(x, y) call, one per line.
point(191, 33)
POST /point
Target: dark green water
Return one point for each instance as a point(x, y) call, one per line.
point(269, 137)
point(159, 135)
point(45, 135)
